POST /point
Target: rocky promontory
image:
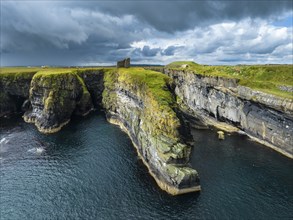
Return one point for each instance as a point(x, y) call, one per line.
point(156, 110)
point(140, 102)
point(54, 97)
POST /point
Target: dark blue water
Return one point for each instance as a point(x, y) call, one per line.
point(90, 170)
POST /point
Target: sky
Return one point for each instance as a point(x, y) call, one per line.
point(88, 33)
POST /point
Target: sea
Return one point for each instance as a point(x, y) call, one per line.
point(90, 170)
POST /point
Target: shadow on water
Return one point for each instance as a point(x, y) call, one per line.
point(243, 174)
point(90, 170)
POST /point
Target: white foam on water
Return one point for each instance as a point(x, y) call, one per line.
point(4, 141)
point(36, 150)
point(3, 146)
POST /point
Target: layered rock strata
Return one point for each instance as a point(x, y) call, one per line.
point(141, 104)
point(14, 92)
point(94, 82)
point(214, 100)
point(55, 97)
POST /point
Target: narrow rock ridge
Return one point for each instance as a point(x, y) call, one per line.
point(153, 128)
point(223, 103)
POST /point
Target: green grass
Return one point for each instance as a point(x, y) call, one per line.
point(178, 64)
point(152, 88)
point(49, 70)
point(155, 82)
point(19, 69)
point(266, 78)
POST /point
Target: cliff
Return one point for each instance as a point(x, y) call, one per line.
point(94, 82)
point(222, 102)
point(141, 103)
point(156, 109)
point(14, 91)
point(57, 95)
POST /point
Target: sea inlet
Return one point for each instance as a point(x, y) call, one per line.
point(90, 170)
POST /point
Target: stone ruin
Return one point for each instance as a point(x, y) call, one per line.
point(124, 63)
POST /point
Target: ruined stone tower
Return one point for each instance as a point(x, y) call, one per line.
point(124, 63)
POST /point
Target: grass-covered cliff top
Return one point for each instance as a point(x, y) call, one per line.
point(15, 73)
point(49, 70)
point(4, 70)
point(155, 82)
point(29, 72)
point(266, 78)
point(151, 88)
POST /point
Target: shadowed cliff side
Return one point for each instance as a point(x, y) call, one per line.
point(55, 96)
point(14, 91)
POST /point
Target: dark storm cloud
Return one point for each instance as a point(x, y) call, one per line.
point(148, 52)
point(170, 51)
point(78, 32)
point(173, 16)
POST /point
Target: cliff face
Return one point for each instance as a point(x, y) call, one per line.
point(55, 97)
point(14, 91)
point(265, 117)
point(94, 82)
point(141, 104)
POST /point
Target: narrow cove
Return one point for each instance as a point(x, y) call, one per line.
point(90, 170)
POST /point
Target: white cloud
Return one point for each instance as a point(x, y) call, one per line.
point(246, 41)
point(75, 32)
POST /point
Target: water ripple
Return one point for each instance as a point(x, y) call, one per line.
point(90, 170)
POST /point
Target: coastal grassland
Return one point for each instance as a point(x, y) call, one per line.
point(4, 71)
point(266, 78)
point(19, 69)
point(61, 82)
point(155, 83)
point(15, 75)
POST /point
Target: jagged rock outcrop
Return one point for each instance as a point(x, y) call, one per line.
point(55, 97)
point(14, 91)
point(140, 102)
point(267, 118)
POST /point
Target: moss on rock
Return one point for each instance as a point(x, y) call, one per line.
point(266, 78)
point(55, 96)
point(141, 103)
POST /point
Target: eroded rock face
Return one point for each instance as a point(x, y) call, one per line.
point(153, 128)
point(55, 98)
point(14, 91)
point(94, 81)
point(140, 103)
point(263, 116)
